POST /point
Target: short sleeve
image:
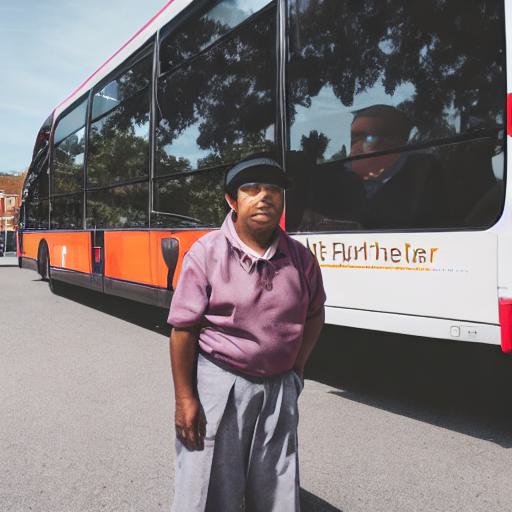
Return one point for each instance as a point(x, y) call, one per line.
point(316, 288)
point(190, 299)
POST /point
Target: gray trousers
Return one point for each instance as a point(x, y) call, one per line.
point(250, 456)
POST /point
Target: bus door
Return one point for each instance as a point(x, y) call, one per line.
point(97, 260)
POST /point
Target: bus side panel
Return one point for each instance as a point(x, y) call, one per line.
point(70, 250)
point(31, 244)
point(158, 265)
point(127, 256)
point(436, 275)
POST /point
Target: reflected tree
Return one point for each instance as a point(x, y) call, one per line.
point(226, 96)
point(452, 52)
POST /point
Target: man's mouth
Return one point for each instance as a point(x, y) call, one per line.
point(263, 213)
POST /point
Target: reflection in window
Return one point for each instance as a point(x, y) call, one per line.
point(68, 163)
point(129, 83)
point(124, 206)
point(119, 134)
point(444, 186)
point(66, 212)
point(191, 201)
point(37, 181)
point(221, 106)
point(36, 213)
point(68, 152)
point(384, 123)
point(71, 122)
point(43, 136)
point(412, 61)
point(199, 32)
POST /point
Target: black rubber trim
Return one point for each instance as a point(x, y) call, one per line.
point(77, 278)
point(138, 292)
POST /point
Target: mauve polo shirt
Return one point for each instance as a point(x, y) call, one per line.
point(251, 310)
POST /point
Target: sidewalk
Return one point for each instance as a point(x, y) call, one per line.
point(9, 261)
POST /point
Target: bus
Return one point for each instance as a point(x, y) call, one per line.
point(391, 118)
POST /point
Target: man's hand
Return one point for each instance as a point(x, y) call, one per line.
point(190, 423)
point(312, 329)
point(189, 419)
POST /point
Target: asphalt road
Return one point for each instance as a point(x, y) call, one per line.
point(388, 423)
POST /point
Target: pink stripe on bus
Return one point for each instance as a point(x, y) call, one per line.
point(509, 114)
point(116, 53)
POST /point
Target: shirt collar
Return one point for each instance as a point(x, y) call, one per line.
point(248, 255)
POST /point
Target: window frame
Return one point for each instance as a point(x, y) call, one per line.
point(279, 125)
point(467, 137)
point(149, 47)
point(84, 97)
point(146, 50)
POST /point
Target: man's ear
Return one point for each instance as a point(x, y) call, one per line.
point(233, 203)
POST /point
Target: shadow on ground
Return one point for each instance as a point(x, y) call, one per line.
point(146, 316)
point(154, 319)
point(464, 387)
point(311, 503)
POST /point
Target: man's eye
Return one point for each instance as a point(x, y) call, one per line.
point(250, 189)
point(371, 138)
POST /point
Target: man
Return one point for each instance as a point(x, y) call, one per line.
point(403, 189)
point(250, 301)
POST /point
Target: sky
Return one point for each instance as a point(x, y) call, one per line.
point(47, 49)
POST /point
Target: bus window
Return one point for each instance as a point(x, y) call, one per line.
point(213, 111)
point(68, 151)
point(43, 136)
point(124, 206)
point(66, 212)
point(34, 214)
point(390, 126)
point(202, 28)
point(119, 134)
point(118, 151)
point(195, 200)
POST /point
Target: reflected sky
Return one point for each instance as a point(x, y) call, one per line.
point(328, 114)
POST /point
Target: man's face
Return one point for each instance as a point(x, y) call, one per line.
point(369, 135)
point(259, 206)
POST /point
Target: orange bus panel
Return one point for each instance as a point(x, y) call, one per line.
point(159, 267)
point(68, 250)
point(127, 256)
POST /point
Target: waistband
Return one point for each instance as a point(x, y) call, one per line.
point(251, 378)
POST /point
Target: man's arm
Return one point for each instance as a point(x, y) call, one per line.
point(312, 329)
point(190, 420)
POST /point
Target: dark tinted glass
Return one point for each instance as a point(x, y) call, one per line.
point(199, 31)
point(119, 143)
point(68, 163)
point(71, 122)
point(119, 207)
point(444, 186)
point(370, 78)
point(129, 83)
point(221, 106)
point(66, 212)
point(119, 133)
point(37, 182)
point(43, 136)
point(191, 201)
point(36, 213)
